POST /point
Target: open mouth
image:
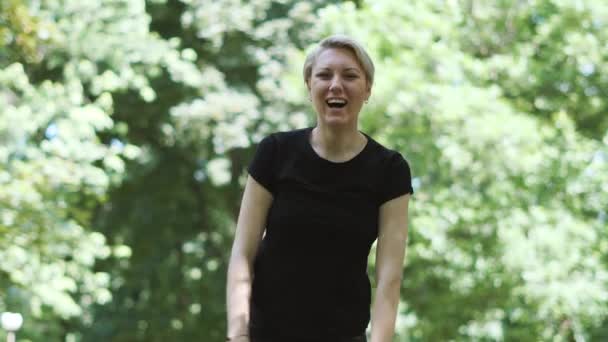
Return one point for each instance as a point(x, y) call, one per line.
point(336, 103)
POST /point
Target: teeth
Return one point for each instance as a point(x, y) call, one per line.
point(336, 101)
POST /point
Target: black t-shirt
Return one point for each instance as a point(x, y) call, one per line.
point(310, 272)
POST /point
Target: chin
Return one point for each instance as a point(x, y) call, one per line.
point(337, 121)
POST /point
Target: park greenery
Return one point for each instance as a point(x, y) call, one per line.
point(126, 127)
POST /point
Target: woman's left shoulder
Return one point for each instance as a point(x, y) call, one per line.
point(393, 170)
point(386, 156)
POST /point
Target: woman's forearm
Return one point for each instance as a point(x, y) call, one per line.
point(238, 291)
point(384, 312)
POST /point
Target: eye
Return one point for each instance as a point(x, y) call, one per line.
point(352, 76)
point(323, 75)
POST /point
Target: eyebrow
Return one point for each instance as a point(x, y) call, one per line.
point(346, 69)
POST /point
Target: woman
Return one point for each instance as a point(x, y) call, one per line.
point(322, 195)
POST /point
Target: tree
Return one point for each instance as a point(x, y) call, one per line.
point(501, 194)
point(126, 127)
point(177, 209)
point(61, 150)
point(547, 56)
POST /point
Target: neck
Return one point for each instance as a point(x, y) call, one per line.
point(337, 143)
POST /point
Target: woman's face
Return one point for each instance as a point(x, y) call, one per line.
point(338, 86)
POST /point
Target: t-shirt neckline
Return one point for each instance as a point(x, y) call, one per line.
point(311, 150)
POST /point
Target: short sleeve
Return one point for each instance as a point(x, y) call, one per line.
point(263, 166)
point(397, 180)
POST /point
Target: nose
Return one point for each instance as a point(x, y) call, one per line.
point(336, 84)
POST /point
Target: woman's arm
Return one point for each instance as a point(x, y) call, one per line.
point(390, 252)
point(249, 228)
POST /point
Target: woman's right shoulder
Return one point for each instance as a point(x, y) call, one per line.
point(289, 135)
point(284, 137)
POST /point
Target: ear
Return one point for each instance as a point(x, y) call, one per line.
point(309, 95)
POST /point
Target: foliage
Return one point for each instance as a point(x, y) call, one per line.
point(198, 142)
point(57, 158)
point(126, 127)
point(547, 56)
point(500, 192)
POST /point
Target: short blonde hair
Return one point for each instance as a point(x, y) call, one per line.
point(343, 42)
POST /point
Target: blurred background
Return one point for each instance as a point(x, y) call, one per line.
point(126, 127)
